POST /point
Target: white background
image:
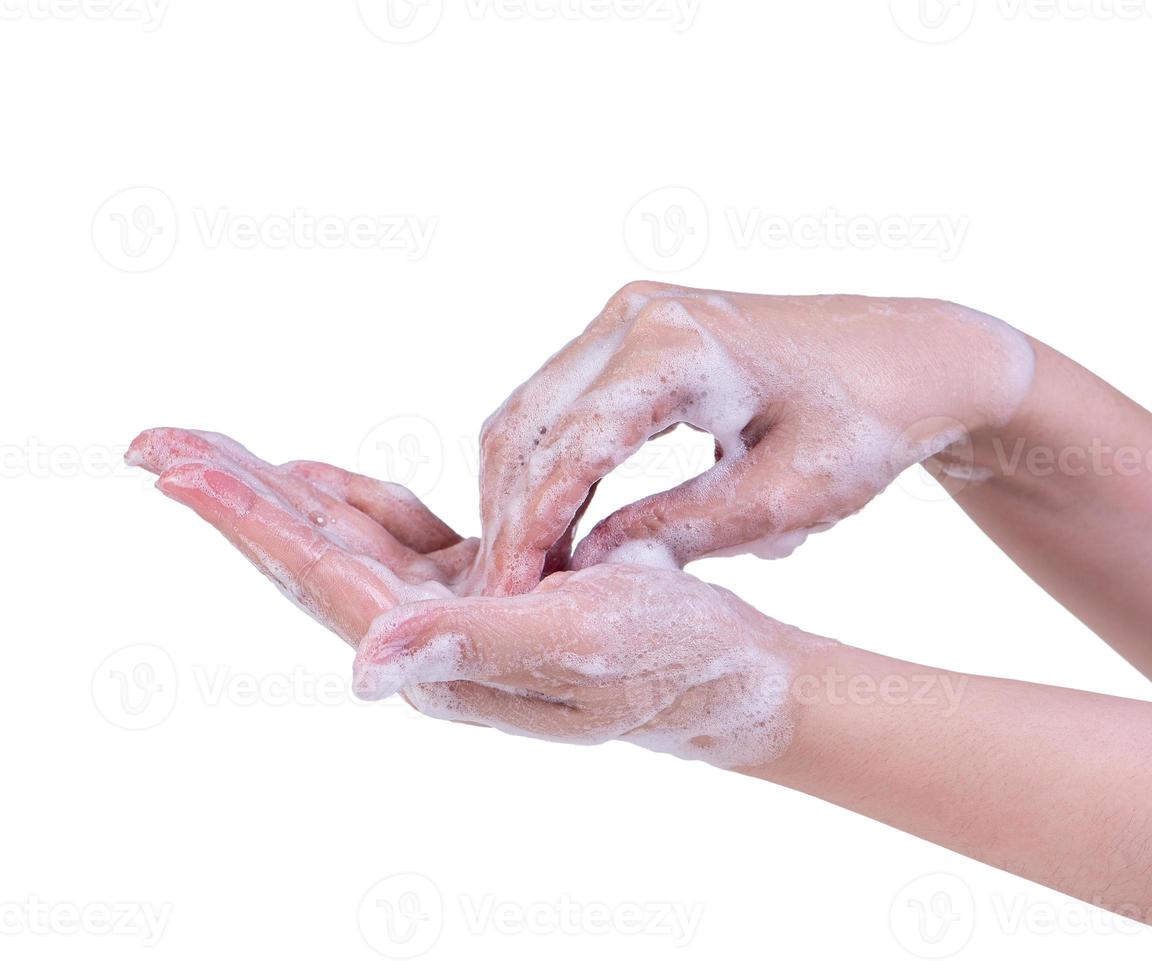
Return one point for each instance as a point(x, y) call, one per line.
point(266, 828)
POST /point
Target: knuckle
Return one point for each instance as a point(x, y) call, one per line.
point(631, 298)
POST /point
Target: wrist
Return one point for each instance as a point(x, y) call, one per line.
point(1070, 429)
point(850, 711)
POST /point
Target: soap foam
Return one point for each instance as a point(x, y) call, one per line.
point(656, 658)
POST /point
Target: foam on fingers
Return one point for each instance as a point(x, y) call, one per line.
point(656, 658)
point(344, 524)
point(343, 592)
point(829, 397)
point(665, 370)
point(391, 505)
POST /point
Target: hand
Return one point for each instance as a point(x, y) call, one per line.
point(653, 657)
point(816, 404)
point(344, 547)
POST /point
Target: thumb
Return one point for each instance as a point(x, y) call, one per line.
point(470, 639)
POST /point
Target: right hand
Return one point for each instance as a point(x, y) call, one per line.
point(816, 404)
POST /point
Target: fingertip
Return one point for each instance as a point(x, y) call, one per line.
point(142, 451)
point(604, 538)
point(409, 645)
point(636, 535)
point(156, 449)
point(375, 682)
point(181, 477)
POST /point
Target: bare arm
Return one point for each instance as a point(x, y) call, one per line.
point(1069, 499)
point(1050, 784)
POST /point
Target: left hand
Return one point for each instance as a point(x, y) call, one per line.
point(345, 547)
point(648, 656)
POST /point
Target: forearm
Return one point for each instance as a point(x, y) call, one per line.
point(1069, 499)
point(1054, 785)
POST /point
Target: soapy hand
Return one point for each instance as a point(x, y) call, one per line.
point(652, 657)
point(342, 546)
point(816, 405)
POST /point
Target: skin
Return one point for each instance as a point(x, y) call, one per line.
point(817, 404)
point(1069, 498)
point(1051, 784)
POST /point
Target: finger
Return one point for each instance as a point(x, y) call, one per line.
point(158, 449)
point(394, 507)
point(664, 373)
point(457, 562)
point(515, 432)
point(491, 640)
point(559, 556)
point(758, 503)
point(344, 592)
